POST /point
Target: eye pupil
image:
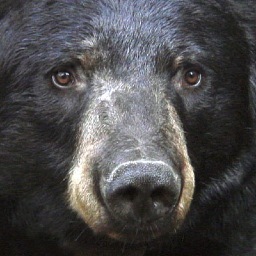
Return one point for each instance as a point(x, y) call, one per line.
point(62, 78)
point(192, 77)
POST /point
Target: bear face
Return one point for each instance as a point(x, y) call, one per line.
point(118, 120)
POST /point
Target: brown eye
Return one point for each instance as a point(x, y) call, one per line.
point(62, 78)
point(192, 77)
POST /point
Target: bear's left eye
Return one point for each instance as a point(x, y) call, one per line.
point(63, 79)
point(192, 78)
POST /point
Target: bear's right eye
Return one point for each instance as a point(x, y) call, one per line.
point(63, 79)
point(192, 78)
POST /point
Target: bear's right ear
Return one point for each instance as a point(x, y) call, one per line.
point(7, 5)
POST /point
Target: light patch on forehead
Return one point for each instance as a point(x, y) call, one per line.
point(107, 88)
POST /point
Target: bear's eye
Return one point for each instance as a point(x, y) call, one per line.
point(62, 79)
point(192, 77)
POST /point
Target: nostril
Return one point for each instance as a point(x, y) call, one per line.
point(163, 195)
point(163, 200)
point(129, 193)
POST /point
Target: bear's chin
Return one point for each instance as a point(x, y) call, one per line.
point(137, 233)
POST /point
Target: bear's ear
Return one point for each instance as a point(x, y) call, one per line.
point(7, 5)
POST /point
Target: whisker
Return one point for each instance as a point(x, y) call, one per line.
point(81, 233)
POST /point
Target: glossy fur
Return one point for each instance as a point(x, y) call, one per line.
point(129, 57)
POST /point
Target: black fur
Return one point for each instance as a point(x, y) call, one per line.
point(39, 123)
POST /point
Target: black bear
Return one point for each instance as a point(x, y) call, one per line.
point(127, 127)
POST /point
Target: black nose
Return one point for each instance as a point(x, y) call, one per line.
point(141, 191)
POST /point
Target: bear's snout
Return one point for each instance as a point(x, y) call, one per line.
point(132, 172)
point(141, 192)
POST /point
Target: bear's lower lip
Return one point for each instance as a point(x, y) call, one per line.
point(135, 231)
point(137, 236)
point(140, 233)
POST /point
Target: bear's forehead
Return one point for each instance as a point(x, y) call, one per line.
point(56, 32)
point(153, 21)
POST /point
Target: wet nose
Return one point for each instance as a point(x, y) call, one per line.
point(141, 191)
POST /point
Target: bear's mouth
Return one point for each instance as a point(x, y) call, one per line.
point(136, 232)
point(139, 234)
